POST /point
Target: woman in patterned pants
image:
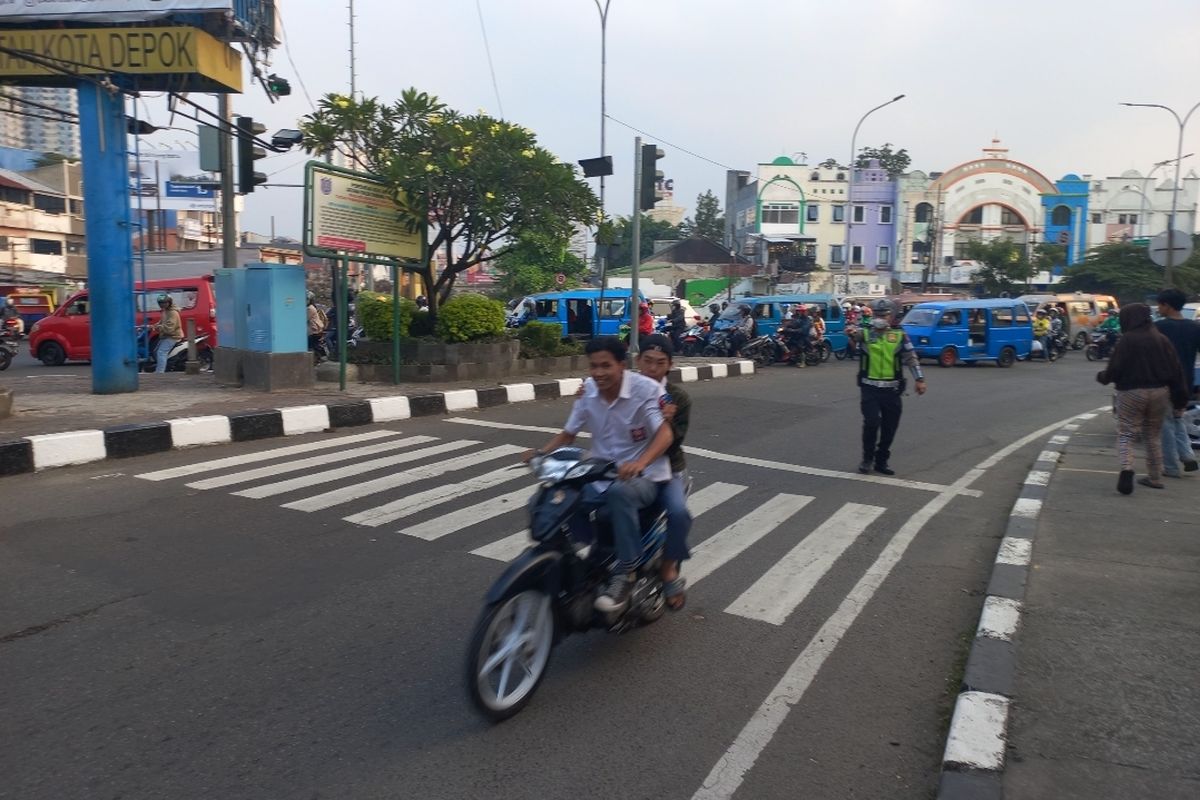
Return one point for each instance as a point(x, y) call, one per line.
point(1148, 377)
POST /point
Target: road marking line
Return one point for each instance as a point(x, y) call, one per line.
point(730, 770)
point(505, 549)
point(471, 515)
point(746, 460)
point(1015, 551)
point(307, 463)
point(262, 455)
point(1089, 415)
point(699, 502)
point(317, 478)
point(356, 491)
point(782, 588)
point(423, 501)
point(1000, 618)
point(1062, 439)
point(1049, 455)
point(976, 737)
point(723, 546)
point(1037, 477)
point(1027, 507)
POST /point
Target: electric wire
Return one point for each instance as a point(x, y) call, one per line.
point(669, 144)
point(287, 51)
point(488, 50)
point(12, 98)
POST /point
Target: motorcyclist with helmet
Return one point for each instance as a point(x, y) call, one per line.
point(1111, 328)
point(169, 329)
point(1041, 333)
point(885, 350)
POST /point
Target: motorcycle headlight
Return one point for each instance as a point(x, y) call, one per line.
point(577, 471)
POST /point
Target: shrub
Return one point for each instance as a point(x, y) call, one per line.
point(375, 315)
point(544, 339)
point(467, 317)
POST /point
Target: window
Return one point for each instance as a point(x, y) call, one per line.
point(780, 214)
point(77, 207)
point(1080, 308)
point(1097, 219)
point(860, 213)
point(78, 308)
point(839, 213)
point(813, 213)
point(973, 217)
point(75, 248)
point(1022, 316)
point(46, 247)
point(1133, 219)
point(50, 204)
point(885, 256)
point(1010, 217)
point(950, 318)
point(764, 311)
point(613, 308)
point(856, 254)
point(547, 308)
point(835, 254)
point(1002, 317)
point(1060, 216)
point(815, 176)
point(183, 298)
point(885, 215)
point(10, 195)
point(924, 212)
point(1127, 219)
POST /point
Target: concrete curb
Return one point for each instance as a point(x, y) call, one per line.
point(43, 451)
point(973, 761)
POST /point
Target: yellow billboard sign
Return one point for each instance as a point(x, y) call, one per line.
point(176, 50)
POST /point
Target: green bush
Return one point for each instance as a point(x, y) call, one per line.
point(544, 339)
point(467, 317)
point(375, 315)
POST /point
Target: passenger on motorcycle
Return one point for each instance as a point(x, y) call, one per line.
point(744, 331)
point(818, 324)
point(654, 361)
point(623, 412)
point(1041, 333)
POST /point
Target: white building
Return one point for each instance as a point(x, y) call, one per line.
point(1133, 206)
point(22, 124)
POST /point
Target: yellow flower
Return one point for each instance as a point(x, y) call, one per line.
point(425, 153)
point(490, 196)
point(435, 119)
point(342, 102)
point(430, 167)
point(495, 128)
point(528, 153)
point(467, 149)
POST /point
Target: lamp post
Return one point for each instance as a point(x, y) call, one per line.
point(1145, 186)
point(603, 83)
point(850, 185)
point(1174, 189)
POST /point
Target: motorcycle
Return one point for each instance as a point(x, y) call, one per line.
point(760, 350)
point(8, 350)
point(1100, 346)
point(13, 328)
point(549, 591)
point(786, 352)
point(719, 343)
point(692, 341)
point(176, 357)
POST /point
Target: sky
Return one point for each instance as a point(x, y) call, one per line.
point(740, 82)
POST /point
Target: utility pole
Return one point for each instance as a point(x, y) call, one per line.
point(635, 251)
point(228, 221)
point(850, 184)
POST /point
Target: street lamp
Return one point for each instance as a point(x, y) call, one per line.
point(1175, 189)
point(850, 185)
point(1145, 186)
point(603, 85)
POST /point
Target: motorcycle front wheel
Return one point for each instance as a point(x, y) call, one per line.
point(509, 652)
point(1092, 352)
point(5, 358)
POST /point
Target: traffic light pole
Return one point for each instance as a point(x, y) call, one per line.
point(228, 220)
point(635, 247)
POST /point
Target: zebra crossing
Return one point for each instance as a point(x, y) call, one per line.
point(480, 484)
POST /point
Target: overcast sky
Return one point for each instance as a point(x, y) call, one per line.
point(743, 81)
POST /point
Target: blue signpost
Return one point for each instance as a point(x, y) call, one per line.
point(110, 248)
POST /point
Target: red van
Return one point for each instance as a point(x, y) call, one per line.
point(66, 335)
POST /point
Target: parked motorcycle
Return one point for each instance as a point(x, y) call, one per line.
point(549, 591)
point(1100, 346)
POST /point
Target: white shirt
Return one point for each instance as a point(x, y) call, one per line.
point(621, 430)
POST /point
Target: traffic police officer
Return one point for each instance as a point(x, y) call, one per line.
point(885, 350)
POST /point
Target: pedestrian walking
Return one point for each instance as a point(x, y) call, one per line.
point(1184, 334)
point(1147, 375)
point(885, 350)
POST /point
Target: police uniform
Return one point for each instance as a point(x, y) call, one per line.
point(883, 355)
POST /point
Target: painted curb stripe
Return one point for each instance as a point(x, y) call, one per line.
point(345, 415)
point(16, 457)
point(193, 431)
point(519, 392)
point(977, 732)
point(389, 409)
point(249, 425)
point(425, 405)
point(999, 619)
point(460, 400)
point(304, 419)
point(689, 374)
point(125, 441)
point(63, 449)
point(991, 667)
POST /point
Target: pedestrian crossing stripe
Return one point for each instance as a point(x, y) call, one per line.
point(771, 598)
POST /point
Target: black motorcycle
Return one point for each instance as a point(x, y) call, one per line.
point(719, 344)
point(549, 591)
point(8, 349)
point(1101, 345)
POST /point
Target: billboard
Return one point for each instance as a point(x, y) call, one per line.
point(351, 213)
point(178, 184)
point(103, 10)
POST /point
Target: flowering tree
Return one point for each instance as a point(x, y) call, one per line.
point(480, 182)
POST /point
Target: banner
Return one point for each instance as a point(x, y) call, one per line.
point(103, 10)
point(347, 212)
point(180, 184)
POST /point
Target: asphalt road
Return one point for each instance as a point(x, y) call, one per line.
point(160, 639)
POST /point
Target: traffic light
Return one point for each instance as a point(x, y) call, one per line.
point(278, 86)
point(247, 129)
point(648, 189)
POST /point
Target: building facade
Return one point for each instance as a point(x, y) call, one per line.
point(24, 124)
point(41, 226)
point(1133, 206)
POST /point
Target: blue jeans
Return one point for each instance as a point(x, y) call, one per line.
point(1176, 446)
point(622, 500)
point(161, 352)
point(673, 495)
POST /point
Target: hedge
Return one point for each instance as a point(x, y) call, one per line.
point(467, 317)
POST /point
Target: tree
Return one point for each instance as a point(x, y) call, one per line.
point(1047, 256)
point(479, 182)
point(50, 159)
point(1005, 267)
point(896, 162)
point(652, 230)
point(532, 262)
point(709, 222)
point(830, 163)
point(1124, 270)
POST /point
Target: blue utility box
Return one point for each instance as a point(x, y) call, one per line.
point(231, 299)
point(276, 311)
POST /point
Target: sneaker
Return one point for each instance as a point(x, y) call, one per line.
point(884, 469)
point(1173, 474)
point(865, 468)
point(616, 594)
point(1190, 466)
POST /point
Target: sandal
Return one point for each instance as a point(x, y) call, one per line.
point(675, 592)
point(1150, 483)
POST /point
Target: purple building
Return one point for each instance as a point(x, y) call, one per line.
point(873, 218)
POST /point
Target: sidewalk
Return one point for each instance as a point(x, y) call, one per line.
point(1106, 695)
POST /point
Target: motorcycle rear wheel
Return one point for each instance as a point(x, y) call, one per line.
point(1092, 352)
point(5, 358)
point(812, 358)
point(826, 350)
point(711, 351)
point(509, 653)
